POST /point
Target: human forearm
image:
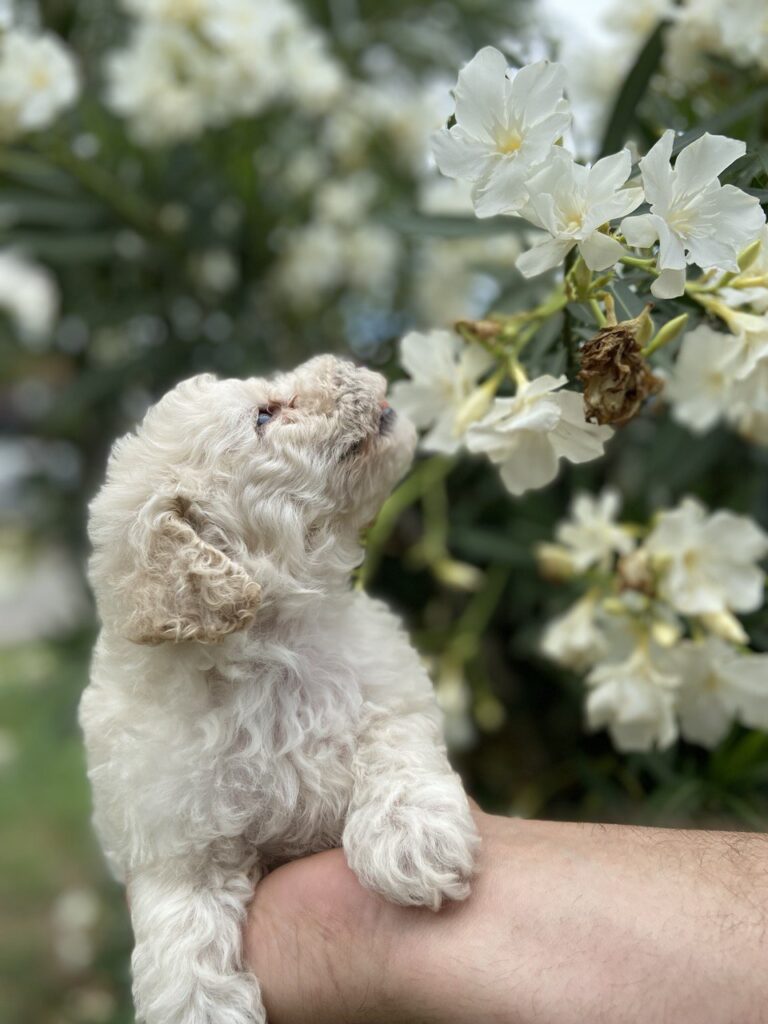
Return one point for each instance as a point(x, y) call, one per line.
point(566, 923)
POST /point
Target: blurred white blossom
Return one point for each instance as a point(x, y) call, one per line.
point(191, 64)
point(73, 919)
point(723, 375)
point(719, 684)
point(30, 296)
point(444, 373)
point(571, 203)
point(528, 435)
point(575, 639)
point(38, 80)
point(708, 563)
point(633, 699)
point(504, 128)
point(655, 633)
point(738, 31)
point(693, 217)
point(701, 381)
point(591, 535)
point(750, 287)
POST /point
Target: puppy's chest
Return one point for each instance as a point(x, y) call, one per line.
point(288, 719)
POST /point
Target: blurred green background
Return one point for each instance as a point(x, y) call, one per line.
point(233, 253)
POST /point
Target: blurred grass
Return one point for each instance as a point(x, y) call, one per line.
point(47, 851)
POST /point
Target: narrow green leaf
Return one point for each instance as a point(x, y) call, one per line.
point(456, 227)
point(723, 119)
point(633, 90)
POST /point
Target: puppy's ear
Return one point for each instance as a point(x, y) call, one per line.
point(181, 587)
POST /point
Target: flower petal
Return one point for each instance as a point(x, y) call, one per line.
point(536, 91)
point(480, 93)
point(669, 284)
point(458, 155)
point(504, 189)
point(656, 170)
point(544, 256)
point(700, 162)
point(608, 174)
point(601, 251)
point(641, 231)
point(532, 463)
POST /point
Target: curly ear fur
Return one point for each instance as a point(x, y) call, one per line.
point(182, 587)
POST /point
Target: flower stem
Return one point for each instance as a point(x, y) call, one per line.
point(426, 474)
point(598, 314)
point(643, 264)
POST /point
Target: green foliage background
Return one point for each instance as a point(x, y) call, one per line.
point(136, 319)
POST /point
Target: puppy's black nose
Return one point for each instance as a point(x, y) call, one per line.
point(388, 417)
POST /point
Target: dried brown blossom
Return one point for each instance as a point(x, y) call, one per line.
point(484, 330)
point(616, 378)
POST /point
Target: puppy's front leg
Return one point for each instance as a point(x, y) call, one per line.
point(187, 963)
point(409, 834)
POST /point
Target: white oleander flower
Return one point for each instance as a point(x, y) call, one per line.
point(575, 638)
point(693, 217)
point(315, 80)
point(635, 701)
point(749, 411)
point(38, 80)
point(719, 684)
point(527, 435)
point(504, 128)
point(738, 30)
point(571, 203)
point(371, 254)
point(159, 83)
point(29, 294)
point(708, 563)
point(312, 262)
point(701, 383)
point(323, 256)
point(750, 287)
point(752, 334)
point(591, 535)
point(444, 372)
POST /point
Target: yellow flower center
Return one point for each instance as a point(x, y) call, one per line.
point(508, 142)
point(41, 78)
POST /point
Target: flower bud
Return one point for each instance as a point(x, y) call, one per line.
point(725, 625)
point(485, 330)
point(459, 575)
point(750, 254)
point(555, 562)
point(475, 406)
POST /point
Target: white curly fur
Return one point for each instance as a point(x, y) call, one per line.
point(246, 706)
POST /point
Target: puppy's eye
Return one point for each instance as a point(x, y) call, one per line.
point(264, 415)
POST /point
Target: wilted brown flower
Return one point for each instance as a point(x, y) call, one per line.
point(616, 378)
point(484, 330)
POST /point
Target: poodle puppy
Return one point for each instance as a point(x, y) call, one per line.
point(246, 706)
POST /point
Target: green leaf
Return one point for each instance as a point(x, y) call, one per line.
point(633, 90)
point(456, 227)
point(628, 303)
point(724, 119)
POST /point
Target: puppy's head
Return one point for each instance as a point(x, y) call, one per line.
point(231, 488)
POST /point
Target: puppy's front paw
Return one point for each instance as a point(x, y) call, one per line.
point(417, 847)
